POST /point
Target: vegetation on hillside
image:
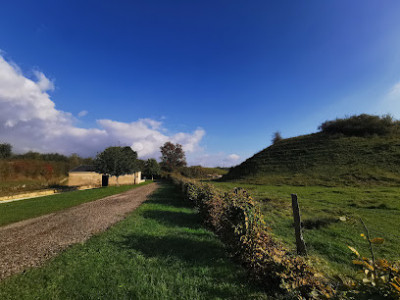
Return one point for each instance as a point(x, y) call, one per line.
point(337, 155)
point(356, 151)
point(362, 125)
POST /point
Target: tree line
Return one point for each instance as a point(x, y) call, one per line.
point(113, 161)
point(118, 161)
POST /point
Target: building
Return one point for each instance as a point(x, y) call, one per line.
point(86, 176)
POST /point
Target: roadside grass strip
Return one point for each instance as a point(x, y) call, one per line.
point(160, 251)
point(30, 208)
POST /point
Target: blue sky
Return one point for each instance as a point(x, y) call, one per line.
point(220, 77)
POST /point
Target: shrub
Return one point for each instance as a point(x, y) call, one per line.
point(276, 137)
point(361, 125)
point(380, 278)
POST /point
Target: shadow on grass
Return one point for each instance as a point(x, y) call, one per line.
point(169, 195)
point(193, 249)
point(174, 219)
point(195, 246)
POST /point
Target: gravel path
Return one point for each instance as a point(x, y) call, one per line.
point(29, 243)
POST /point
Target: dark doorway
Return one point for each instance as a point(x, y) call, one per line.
point(104, 180)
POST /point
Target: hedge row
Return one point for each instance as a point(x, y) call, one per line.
point(237, 219)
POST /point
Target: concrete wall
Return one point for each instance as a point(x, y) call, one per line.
point(84, 178)
point(125, 179)
point(138, 177)
point(94, 179)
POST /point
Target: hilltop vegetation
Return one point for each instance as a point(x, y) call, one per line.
point(362, 125)
point(358, 150)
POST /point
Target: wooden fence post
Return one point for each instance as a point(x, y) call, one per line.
point(301, 246)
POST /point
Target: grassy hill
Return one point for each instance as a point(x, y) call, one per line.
point(326, 158)
point(350, 169)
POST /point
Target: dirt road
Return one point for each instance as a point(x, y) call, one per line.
point(29, 243)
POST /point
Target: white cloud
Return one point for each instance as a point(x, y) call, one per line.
point(388, 103)
point(214, 160)
point(82, 113)
point(234, 157)
point(395, 90)
point(145, 136)
point(29, 120)
point(43, 82)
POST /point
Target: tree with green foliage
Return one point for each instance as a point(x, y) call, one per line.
point(5, 150)
point(141, 164)
point(172, 156)
point(116, 161)
point(152, 168)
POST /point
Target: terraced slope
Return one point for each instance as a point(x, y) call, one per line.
point(324, 159)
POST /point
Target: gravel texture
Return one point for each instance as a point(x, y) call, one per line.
point(29, 243)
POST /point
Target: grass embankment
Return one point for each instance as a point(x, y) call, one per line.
point(25, 209)
point(323, 159)
point(325, 235)
point(160, 251)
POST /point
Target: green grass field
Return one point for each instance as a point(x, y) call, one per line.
point(25, 209)
point(160, 251)
point(326, 236)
